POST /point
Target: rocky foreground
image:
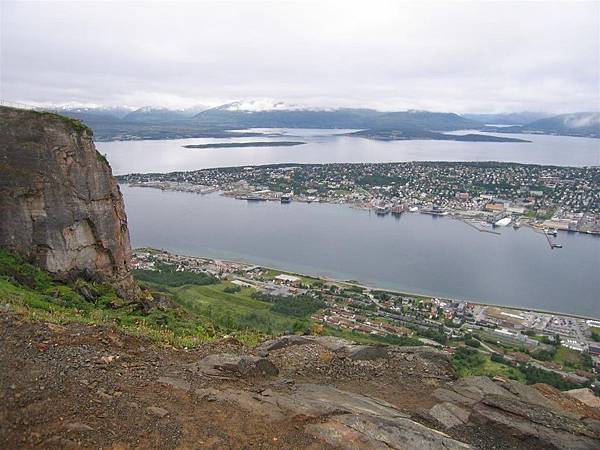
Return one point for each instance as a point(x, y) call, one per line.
point(79, 386)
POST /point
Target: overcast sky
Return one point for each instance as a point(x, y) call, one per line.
point(442, 56)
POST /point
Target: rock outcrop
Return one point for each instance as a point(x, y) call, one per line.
point(478, 401)
point(60, 207)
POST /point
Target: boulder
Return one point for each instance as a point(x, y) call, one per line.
point(282, 342)
point(239, 364)
point(520, 408)
point(585, 395)
point(366, 352)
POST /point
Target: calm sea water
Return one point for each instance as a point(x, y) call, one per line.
point(325, 146)
point(416, 253)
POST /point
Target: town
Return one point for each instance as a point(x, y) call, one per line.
point(563, 349)
point(485, 194)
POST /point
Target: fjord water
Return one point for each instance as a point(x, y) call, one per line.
point(415, 253)
point(327, 146)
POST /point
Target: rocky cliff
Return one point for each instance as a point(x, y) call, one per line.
point(60, 206)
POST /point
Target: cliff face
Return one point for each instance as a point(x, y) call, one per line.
point(60, 206)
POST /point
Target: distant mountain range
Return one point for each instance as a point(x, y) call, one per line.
point(232, 116)
point(164, 123)
point(519, 118)
point(149, 114)
point(581, 124)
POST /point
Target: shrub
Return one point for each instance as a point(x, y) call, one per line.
point(472, 342)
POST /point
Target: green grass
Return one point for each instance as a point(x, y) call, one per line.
point(34, 294)
point(569, 358)
point(238, 311)
point(470, 362)
point(363, 338)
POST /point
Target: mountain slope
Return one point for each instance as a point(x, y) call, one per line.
point(577, 124)
point(520, 118)
point(235, 116)
point(150, 114)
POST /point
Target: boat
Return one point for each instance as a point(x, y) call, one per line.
point(557, 245)
point(413, 209)
point(382, 210)
point(434, 211)
point(286, 198)
point(398, 210)
point(255, 198)
point(516, 224)
point(551, 232)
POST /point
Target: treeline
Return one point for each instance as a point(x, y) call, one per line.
point(295, 306)
point(536, 375)
point(168, 276)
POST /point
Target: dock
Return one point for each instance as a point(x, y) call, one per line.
point(482, 230)
point(552, 245)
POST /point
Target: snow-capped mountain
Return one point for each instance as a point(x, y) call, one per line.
point(261, 105)
point(158, 114)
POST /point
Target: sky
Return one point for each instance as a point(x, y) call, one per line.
point(478, 57)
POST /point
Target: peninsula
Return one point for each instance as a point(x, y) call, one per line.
point(246, 144)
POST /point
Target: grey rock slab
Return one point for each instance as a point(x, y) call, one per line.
point(352, 432)
point(478, 387)
point(331, 343)
point(76, 426)
point(449, 415)
point(176, 383)
point(446, 395)
point(558, 438)
point(157, 411)
point(529, 394)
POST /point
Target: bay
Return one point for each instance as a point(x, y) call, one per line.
point(415, 253)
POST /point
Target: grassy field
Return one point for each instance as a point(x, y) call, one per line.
point(235, 310)
point(569, 359)
point(469, 362)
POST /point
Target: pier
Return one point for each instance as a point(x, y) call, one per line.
point(482, 230)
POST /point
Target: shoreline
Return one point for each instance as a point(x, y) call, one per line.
point(460, 215)
point(370, 287)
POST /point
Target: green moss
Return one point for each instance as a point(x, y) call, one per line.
point(101, 157)
point(75, 124)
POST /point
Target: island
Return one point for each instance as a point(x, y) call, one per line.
point(246, 144)
point(416, 134)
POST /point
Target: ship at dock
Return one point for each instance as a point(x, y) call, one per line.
point(398, 210)
point(434, 211)
point(382, 210)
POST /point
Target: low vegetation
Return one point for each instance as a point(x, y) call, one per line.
point(468, 361)
point(34, 294)
point(168, 275)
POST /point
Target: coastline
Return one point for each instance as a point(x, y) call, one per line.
point(371, 287)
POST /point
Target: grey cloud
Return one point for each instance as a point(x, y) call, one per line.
point(448, 56)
